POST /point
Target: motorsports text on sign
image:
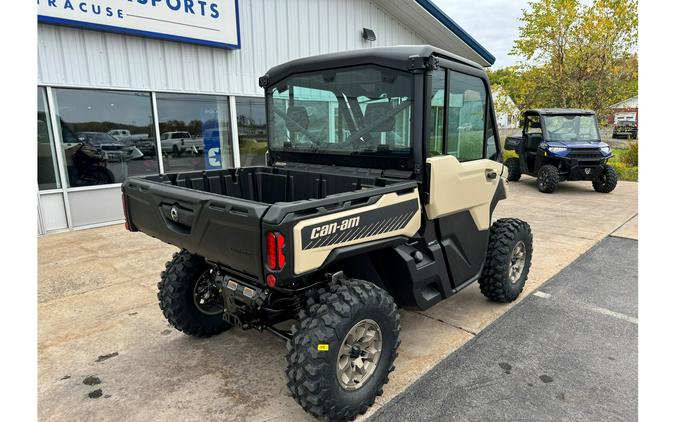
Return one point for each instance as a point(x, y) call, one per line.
point(209, 22)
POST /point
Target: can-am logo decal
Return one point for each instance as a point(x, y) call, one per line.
point(361, 226)
point(332, 228)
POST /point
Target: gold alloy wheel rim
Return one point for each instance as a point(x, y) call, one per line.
point(359, 354)
point(517, 262)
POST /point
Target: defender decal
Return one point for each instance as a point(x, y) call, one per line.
point(359, 226)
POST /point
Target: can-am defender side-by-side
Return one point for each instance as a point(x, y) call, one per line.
point(558, 145)
point(383, 173)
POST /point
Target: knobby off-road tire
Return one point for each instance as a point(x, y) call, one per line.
point(548, 178)
point(316, 342)
point(607, 180)
point(498, 282)
point(176, 297)
point(513, 165)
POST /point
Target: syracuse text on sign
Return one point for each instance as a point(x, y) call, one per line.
point(210, 22)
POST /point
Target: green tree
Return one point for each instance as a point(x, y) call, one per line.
point(575, 55)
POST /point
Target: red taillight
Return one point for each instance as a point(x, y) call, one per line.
point(275, 258)
point(271, 280)
point(271, 251)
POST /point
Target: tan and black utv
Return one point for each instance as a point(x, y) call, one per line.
point(384, 168)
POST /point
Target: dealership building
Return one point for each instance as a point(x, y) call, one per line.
point(140, 87)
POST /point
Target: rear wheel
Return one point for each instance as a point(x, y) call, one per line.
point(606, 182)
point(513, 165)
point(342, 349)
point(548, 178)
point(508, 259)
point(189, 297)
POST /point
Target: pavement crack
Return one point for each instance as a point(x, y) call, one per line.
point(466, 330)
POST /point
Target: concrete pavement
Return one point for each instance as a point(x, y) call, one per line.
point(97, 297)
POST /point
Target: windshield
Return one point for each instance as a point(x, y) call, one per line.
point(364, 109)
point(571, 128)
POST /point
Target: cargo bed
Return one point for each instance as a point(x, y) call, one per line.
point(219, 214)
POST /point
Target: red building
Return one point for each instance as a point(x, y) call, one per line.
point(626, 110)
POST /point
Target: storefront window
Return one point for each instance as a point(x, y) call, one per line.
point(106, 135)
point(194, 132)
point(252, 127)
point(48, 174)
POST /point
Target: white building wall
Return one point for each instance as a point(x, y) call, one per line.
point(272, 32)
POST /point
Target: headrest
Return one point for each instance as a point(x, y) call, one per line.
point(375, 112)
point(297, 118)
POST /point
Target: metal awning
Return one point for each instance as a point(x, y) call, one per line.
point(437, 28)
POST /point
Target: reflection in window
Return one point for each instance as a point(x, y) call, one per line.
point(466, 117)
point(437, 112)
point(195, 132)
point(252, 128)
point(106, 135)
point(48, 175)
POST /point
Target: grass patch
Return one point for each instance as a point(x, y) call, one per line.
point(622, 161)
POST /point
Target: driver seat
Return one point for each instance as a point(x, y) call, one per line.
point(375, 112)
point(297, 118)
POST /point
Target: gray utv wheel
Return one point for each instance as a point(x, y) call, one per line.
point(548, 178)
point(508, 259)
point(513, 165)
point(342, 349)
point(189, 299)
point(606, 182)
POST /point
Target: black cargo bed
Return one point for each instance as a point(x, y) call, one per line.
point(218, 214)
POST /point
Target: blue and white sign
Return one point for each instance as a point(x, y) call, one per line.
point(209, 22)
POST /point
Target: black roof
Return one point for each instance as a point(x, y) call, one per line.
point(397, 57)
point(559, 111)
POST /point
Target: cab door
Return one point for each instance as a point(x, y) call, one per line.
point(464, 181)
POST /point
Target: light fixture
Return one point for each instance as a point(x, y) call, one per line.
point(368, 34)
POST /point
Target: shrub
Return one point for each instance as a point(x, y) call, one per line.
point(630, 156)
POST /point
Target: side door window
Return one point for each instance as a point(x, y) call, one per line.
point(437, 114)
point(465, 116)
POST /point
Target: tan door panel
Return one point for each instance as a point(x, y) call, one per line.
point(463, 186)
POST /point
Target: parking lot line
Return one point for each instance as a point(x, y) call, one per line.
point(613, 314)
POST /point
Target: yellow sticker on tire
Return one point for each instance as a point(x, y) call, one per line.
point(322, 347)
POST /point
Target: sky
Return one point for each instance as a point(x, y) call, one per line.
point(493, 23)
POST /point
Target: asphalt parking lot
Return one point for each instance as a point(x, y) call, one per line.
point(567, 352)
point(105, 352)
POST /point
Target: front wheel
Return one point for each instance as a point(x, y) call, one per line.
point(513, 165)
point(606, 182)
point(548, 178)
point(507, 262)
point(189, 297)
point(342, 349)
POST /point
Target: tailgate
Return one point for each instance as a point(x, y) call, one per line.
point(220, 228)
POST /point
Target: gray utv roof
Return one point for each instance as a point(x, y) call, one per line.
point(559, 111)
point(397, 57)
